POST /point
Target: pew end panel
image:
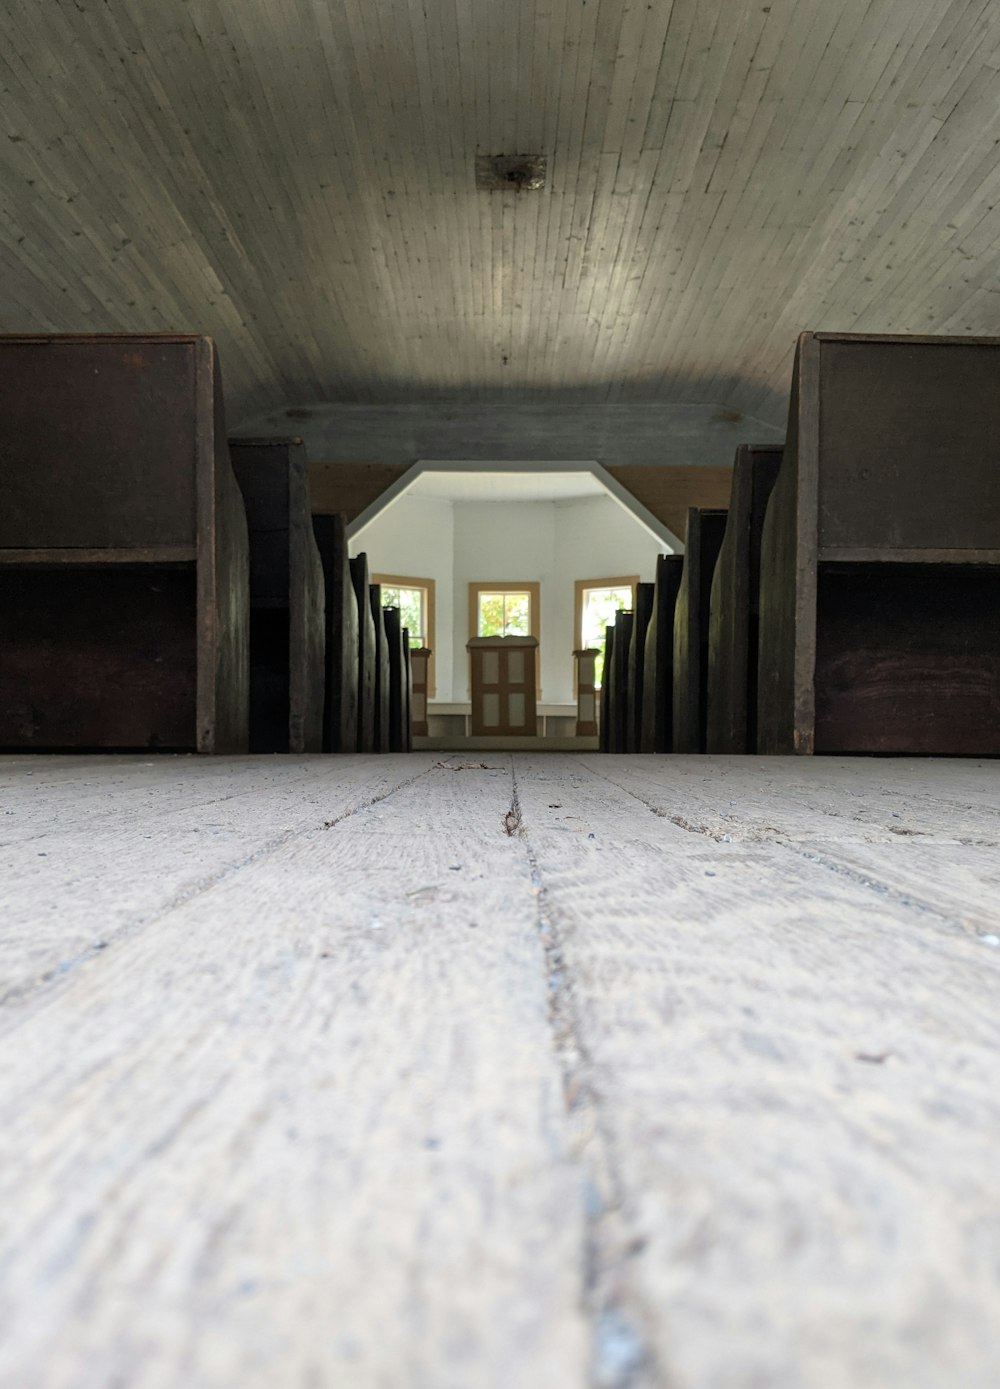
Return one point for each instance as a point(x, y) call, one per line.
point(621, 700)
point(407, 692)
point(703, 540)
point(382, 672)
point(643, 611)
point(287, 597)
point(398, 668)
point(340, 708)
point(658, 663)
point(367, 655)
point(734, 618)
point(605, 736)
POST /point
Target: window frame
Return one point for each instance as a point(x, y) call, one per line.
point(533, 588)
point(430, 615)
point(580, 588)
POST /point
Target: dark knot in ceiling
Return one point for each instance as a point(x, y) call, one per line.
point(521, 172)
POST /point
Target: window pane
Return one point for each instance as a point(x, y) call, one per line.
point(411, 604)
point(490, 615)
point(504, 615)
point(599, 608)
point(517, 615)
point(411, 611)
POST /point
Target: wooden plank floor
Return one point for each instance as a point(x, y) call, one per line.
point(510, 1071)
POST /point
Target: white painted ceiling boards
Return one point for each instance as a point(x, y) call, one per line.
point(297, 177)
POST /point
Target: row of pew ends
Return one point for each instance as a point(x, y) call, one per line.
point(847, 600)
point(163, 587)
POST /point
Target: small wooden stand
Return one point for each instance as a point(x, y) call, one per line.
point(586, 693)
point(420, 657)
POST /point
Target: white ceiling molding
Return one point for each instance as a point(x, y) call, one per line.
point(458, 470)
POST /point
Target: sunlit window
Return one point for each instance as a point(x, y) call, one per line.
point(414, 597)
point(504, 614)
point(412, 605)
point(597, 603)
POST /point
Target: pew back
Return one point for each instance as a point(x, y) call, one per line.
point(123, 547)
point(890, 461)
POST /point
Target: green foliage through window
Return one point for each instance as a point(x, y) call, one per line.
point(504, 615)
point(599, 608)
point(412, 605)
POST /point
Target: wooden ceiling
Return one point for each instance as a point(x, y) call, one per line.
point(297, 177)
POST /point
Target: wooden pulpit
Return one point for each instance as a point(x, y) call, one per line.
point(503, 686)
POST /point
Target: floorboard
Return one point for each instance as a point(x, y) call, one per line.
point(510, 1071)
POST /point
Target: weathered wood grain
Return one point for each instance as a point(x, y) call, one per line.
point(308, 1127)
point(558, 1070)
point(719, 175)
point(127, 854)
point(903, 836)
point(794, 1080)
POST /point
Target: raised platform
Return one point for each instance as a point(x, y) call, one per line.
point(507, 1072)
point(454, 720)
point(463, 743)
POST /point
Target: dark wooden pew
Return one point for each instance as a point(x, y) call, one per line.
point(658, 663)
point(398, 711)
point(643, 611)
point(123, 547)
point(607, 708)
point(407, 693)
point(287, 597)
point(702, 543)
point(382, 672)
point(367, 655)
point(735, 607)
point(621, 696)
point(880, 560)
point(340, 709)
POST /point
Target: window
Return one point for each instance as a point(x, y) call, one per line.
point(504, 615)
point(597, 601)
point(505, 610)
point(415, 600)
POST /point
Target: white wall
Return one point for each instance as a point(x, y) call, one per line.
point(506, 542)
point(415, 537)
point(552, 543)
point(595, 539)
